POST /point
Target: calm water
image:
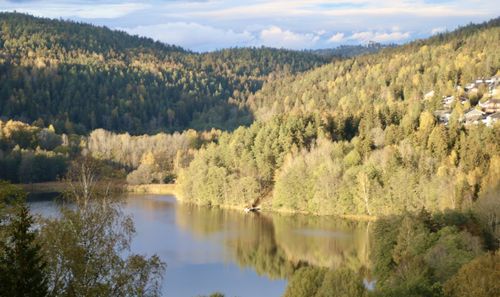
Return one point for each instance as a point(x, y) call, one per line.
point(209, 250)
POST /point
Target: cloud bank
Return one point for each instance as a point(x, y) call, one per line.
point(203, 25)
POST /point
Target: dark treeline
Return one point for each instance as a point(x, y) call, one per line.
point(79, 77)
point(347, 51)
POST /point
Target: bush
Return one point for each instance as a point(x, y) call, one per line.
point(478, 278)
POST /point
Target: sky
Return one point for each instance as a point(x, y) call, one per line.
point(205, 25)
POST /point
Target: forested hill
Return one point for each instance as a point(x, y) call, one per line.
point(79, 77)
point(26, 33)
point(400, 130)
point(394, 76)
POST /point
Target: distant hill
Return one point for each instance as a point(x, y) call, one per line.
point(348, 51)
point(80, 77)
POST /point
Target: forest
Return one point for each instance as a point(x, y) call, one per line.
point(80, 77)
point(354, 132)
point(359, 136)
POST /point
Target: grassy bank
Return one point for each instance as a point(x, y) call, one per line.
point(165, 189)
point(59, 187)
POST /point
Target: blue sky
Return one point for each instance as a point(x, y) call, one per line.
point(203, 25)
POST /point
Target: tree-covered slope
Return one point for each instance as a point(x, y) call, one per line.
point(392, 77)
point(361, 136)
point(80, 77)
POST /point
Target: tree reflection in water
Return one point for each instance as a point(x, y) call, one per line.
point(276, 245)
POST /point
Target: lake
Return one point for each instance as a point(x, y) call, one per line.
point(211, 250)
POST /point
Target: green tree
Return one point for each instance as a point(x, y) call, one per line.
point(478, 278)
point(342, 283)
point(451, 251)
point(437, 143)
point(22, 268)
point(85, 246)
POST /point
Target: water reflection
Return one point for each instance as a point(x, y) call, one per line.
point(324, 241)
point(239, 254)
point(276, 245)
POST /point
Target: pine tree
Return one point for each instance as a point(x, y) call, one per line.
point(22, 269)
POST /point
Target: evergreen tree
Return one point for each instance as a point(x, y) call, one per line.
point(22, 269)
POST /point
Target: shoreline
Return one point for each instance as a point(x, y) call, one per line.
point(158, 189)
point(170, 189)
point(285, 212)
point(44, 187)
point(59, 187)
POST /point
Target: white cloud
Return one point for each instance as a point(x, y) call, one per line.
point(338, 37)
point(276, 37)
point(193, 35)
point(320, 32)
point(202, 38)
point(380, 36)
point(211, 24)
point(84, 10)
point(396, 28)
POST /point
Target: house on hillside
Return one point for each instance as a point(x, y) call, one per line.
point(490, 83)
point(443, 116)
point(470, 86)
point(448, 101)
point(495, 92)
point(472, 91)
point(493, 80)
point(490, 106)
point(491, 119)
point(473, 116)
